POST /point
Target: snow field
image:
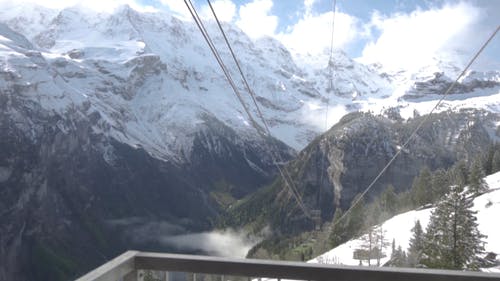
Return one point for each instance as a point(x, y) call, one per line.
point(399, 227)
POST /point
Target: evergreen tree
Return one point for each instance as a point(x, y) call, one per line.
point(369, 244)
point(404, 259)
point(421, 188)
point(440, 183)
point(477, 185)
point(460, 174)
point(374, 243)
point(398, 258)
point(374, 214)
point(452, 240)
point(338, 234)
point(355, 220)
point(416, 245)
point(405, 201)
point(488, 160)
point(389, 200)
point(393, 247)
point(381, 243)
point(351, 225)
point(495, 161)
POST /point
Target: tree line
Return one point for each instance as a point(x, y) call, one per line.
point(451, 240)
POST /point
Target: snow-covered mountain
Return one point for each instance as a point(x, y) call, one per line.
point(118, 121)
point(399, 228)
point(151, 77)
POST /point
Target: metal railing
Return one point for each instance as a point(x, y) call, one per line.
point(126, 267)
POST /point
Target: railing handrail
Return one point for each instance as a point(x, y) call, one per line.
point(279, 269)
point(114, 269)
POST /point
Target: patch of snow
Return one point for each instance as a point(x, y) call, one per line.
point(399, 227)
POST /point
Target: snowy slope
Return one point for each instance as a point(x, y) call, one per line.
point(399, 227)
point(152, 80)
point(151, 77)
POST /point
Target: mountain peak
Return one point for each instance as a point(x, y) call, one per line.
point(106, 50)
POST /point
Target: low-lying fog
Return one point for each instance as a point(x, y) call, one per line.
point(225, 243)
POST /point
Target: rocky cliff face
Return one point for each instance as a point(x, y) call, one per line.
point(341, 163)
point(438, 83)
point(99, 146)
point(70, 197)
point(78, 186)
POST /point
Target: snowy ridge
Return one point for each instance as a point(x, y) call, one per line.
point(150, 78)
point(399, 228)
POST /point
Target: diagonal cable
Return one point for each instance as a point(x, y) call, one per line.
point(205, 34)
point(284, 172)
point(331, 76)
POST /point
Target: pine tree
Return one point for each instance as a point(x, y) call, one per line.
point(495, 161)
point(374, 213)
point(477, 185)
point(338, 234)
point(452, 240)
point(355, 220)
point(389, 200)
point(460, 174)
point(381, 243)
point(440, 183)
point(369, 244)
point(488, 160)
point(398, 258)
point(405, 201)
point(416, 245)
point(421, 188)
point(404, 259)
point(393, 247)
point(373, 216)
point(351, 225)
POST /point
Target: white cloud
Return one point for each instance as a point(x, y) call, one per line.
point(178, 7)
point(225, 9)
point(312, 33)
point(308, 4)
point(315, 114)
point(255, 19)
point(411, 41)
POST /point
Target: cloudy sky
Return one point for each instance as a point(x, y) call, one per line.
point(397, 33)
